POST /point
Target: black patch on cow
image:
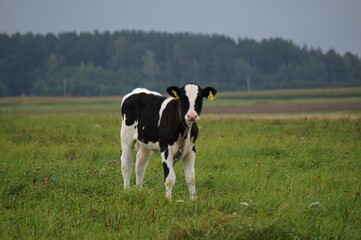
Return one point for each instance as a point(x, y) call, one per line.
point(166, 170)
point(194, 132)
point(194, 149)
point(163, 147)
point(133, 106)
point(198, 104)
point(166, 152)
point(144, 109)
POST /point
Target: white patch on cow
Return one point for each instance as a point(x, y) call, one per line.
point(140, 90)
point(182, 146)
point(191, 93)
point(130, 132)
point(128, 136)
point(162, 107)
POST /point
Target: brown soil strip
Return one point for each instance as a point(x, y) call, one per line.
point(285, 108)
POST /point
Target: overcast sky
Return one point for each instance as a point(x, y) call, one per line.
point(316, 23)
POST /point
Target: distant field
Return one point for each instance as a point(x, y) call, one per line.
point(295, 93)
point(19, 104)
point(310, 96)
point(257, 178)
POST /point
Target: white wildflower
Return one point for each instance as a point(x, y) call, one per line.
point(314, 204)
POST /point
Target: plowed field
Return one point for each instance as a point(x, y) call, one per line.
point(285, 108)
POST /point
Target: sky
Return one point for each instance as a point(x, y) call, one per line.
point(323, 24)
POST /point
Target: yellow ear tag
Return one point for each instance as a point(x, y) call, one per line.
point(175, 94)
point(210, 96)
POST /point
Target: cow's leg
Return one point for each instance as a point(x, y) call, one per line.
point(127, 162)
point(189, 173)
point(127, 141)
point(143, 155)
point(169, 175)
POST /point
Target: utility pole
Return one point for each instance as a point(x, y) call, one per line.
point(64, 87)
point(248, 83)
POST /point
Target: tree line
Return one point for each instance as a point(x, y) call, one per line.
point(95, 64)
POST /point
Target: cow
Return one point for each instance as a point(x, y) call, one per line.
point(153, 123)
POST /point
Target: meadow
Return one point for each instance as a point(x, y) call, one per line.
point(258, 177)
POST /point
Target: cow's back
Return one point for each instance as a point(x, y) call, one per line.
point(134, 104)
point(141, 109)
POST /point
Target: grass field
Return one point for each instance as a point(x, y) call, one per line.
point(258, 177)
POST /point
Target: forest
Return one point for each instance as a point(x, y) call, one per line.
point(105, 63)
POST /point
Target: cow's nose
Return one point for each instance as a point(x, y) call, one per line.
point(192, 116)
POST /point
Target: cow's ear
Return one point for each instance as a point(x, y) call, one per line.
point(209, 93)
point(174, 91)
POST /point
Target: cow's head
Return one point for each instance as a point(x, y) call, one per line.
point(190, 99)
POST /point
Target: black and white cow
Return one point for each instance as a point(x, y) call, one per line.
point(152, 122)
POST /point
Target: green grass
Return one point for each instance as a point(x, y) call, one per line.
point(256, 179)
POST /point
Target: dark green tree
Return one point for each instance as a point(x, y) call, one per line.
point(95, 63)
